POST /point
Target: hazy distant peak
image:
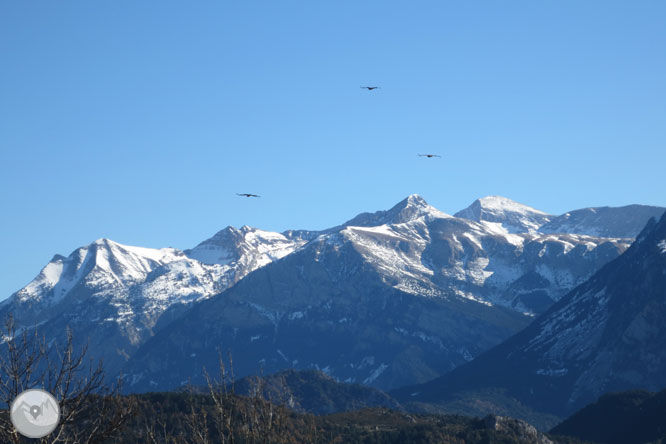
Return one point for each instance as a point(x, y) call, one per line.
point(617, 222)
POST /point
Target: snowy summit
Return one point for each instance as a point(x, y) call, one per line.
point(408, 209)
point(512, 216)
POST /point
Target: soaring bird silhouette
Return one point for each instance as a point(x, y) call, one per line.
point(429, 155)
point(247, 195)
point(369, 88)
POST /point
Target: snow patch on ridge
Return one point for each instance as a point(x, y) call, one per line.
point(502, 204)
point(552, 372)
point(272, 316)
point(662, 246)
point(375, 374)
point(381, 247)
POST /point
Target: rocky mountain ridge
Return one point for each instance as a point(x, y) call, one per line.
point(415, 296)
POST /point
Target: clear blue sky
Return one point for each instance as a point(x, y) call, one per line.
point(139, 121)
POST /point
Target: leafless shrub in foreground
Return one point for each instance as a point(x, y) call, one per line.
point(91, 411)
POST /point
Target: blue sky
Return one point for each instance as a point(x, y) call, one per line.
point(139, 121)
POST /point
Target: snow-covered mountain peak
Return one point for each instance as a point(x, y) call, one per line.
point(247, 245)
point(102, 261)
point(513, 216)
point(121, 251)
point(221, 248)
point(414, 200)
point(414, 207)
point(500, 203)
point(408, 209)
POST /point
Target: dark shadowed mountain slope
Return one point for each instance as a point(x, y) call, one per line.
point(323, 307)
point(315, 392)
point(632, 417)
point(608, 334)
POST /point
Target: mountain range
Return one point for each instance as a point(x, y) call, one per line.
point(386, 299)
point(607, 334)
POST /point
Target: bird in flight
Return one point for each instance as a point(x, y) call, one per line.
point(369, 88)
point(247, 195)
point(429, 155)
